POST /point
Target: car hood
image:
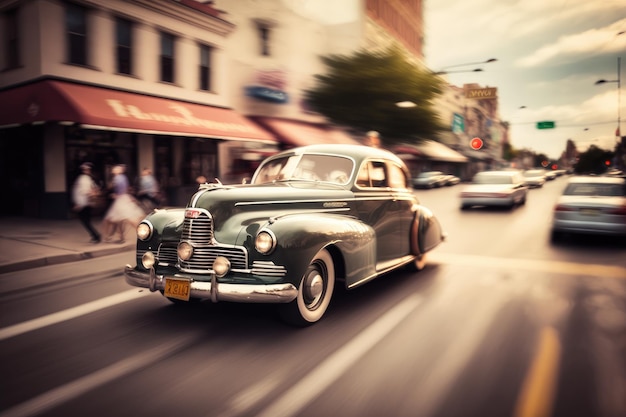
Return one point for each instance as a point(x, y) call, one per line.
point(236, 206)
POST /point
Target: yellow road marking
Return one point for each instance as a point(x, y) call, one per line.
point(537, 395)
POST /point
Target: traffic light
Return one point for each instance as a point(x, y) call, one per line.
point(476, 143)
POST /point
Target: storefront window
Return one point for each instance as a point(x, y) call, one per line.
point(200, 159)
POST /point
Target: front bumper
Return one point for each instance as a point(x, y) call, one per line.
point(215, 291)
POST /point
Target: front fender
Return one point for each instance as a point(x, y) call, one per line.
point(300, 237)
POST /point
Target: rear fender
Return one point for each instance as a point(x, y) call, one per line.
point(426, 232)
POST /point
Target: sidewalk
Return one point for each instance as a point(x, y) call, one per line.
point(30, 243)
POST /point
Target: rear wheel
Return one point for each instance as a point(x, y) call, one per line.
point(417, 264)
point(314, 292)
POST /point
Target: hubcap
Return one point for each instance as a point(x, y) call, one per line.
point(313, 288)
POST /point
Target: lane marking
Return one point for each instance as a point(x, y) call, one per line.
point(537, 395)
point(557, 267)
point(70, 313)
point(78, 387)
point(304, 391)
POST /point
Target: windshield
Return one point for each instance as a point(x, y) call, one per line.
point(325, 168)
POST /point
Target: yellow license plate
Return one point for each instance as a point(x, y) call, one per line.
point(177, 288)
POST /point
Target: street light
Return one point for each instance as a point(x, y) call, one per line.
point(618, 81)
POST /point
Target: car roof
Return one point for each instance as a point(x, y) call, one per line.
point(354, 151)
point(596, 180)
point(499, 173)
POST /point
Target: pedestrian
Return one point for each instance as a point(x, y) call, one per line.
point(373, 139)
point(124, 208)
point(148, 190)
point(84, 193)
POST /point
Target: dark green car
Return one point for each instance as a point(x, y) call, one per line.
point(311, 218)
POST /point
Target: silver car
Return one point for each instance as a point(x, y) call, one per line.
point(591, 205)
point(535, 178)
point(495, 188)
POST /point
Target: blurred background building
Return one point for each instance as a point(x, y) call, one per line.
point(187, 88)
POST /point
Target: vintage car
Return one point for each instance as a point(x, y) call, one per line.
point(311, 218)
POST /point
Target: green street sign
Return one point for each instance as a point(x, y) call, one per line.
point(545, 125)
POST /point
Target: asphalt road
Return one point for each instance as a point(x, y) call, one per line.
point(500, 323)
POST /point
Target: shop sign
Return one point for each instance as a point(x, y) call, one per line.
point(481, 93)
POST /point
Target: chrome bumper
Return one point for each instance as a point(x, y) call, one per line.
point(214, 291)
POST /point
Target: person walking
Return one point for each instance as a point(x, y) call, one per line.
point(123, 210)
point(148, 190)
point(84, 192)
point(372, 139)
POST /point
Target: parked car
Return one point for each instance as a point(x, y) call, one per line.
point(549, 174)
point(429, 179)
point(534, 178)
point(450, 179)
point(495, 188)
point(312, 217)
point(591, 205)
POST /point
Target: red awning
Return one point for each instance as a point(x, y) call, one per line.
point(298, 133)
point(102, 108)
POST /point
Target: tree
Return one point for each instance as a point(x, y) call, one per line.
point(361, 90)
point(594, 161)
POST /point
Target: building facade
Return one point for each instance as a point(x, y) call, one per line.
point(142, 83)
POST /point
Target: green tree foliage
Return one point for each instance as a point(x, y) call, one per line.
point(361, 90)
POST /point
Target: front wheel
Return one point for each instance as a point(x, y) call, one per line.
point(314, 292)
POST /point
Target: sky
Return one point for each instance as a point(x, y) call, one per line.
point(549, 55)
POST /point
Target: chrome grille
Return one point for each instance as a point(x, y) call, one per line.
point(204, 256)
point(268, 269)
point(167, 254)
point(199, 229)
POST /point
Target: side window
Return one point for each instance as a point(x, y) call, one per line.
point(373, 175)
point(397, 178)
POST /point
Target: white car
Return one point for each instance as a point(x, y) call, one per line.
point(591, 205)
point(535, 178)
point(495, 188)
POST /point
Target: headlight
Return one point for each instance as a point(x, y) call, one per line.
point(148, 260)
point(185, 250)
point(144, 231)
point(265, 242)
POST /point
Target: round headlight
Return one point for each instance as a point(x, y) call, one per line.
point(148, 260)
point(185, 250)
point(265, 242)
point(221, 266)
point(144, 231)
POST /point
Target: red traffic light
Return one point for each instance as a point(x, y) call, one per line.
point(476, 143)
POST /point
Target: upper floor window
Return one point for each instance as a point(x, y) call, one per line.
point(264, 38)
point(167, 57)
point(124, 45)
point(12, 39)
point(76, 30)
point(205, 67)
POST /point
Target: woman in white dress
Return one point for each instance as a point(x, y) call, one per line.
point(124, 208)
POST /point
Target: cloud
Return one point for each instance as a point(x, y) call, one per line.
point(605, 39)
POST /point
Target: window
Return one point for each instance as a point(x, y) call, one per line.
point(264, 37)
point(76, 28)
point(205, 67)
point(167, 57)
point(124, 45)
point(397, 178)
point(12, 39)
point(372, 174)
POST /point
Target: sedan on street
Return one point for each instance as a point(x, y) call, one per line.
point(495, 188)
point(591, 205)
point(534, 178)
point(429, 179)
point(313, 218)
